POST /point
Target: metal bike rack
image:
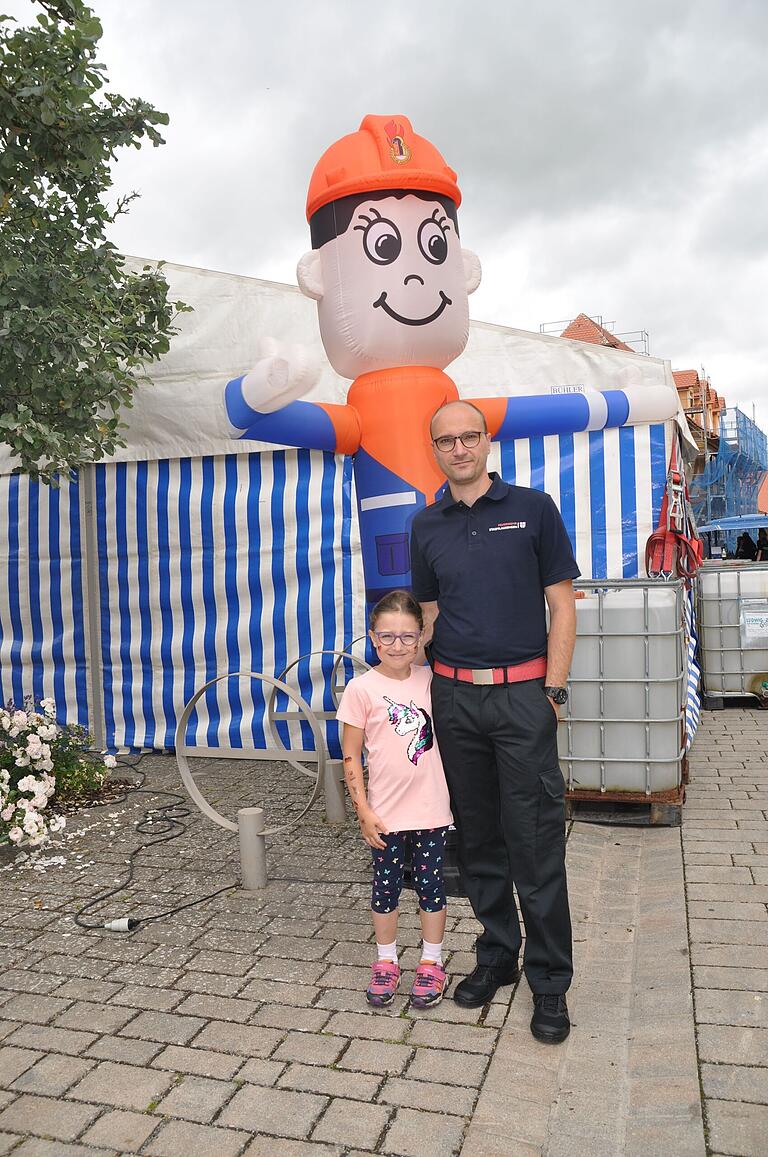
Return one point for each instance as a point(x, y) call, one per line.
point(333, 769)
point(250, 820)
point(327, 774)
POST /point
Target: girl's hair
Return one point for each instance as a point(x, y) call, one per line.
point(402, 601)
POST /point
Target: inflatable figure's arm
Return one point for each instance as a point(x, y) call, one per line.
point(567, 413)
point(262, 405)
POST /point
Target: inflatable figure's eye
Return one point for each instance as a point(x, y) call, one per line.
point(382, 241)
point(432, 242)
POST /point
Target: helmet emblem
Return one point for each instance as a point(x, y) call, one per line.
point(398, 149)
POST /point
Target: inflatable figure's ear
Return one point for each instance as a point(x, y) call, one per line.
point(472, 270)
point(310, 275)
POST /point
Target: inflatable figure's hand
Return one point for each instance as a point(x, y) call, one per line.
point(280, 375)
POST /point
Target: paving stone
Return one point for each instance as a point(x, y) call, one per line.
point(81, 988)
point(310, 1048)
point(277, 1147)
point(287, 971)
point(294, 948)
point(448, 1066)
point(419, 1094)
point(143, 997)
point(739, 1129)
point(275, 992)
point(381, 1026)
point(753, 932)
point(375, 1057)
point(14, 1061)
point(217, 1008)
point(121, 1130)
point(209, 983)
point(418, 1134)
point(352, 1123)
point(200, 1062)
point(21, 980)
point(260, 1072)
point(48, 1039)
point(735, 1046)
point(749, 979)
point(331, 1082)
point(33, 1008)
point(101, 1018)
point(717, 1006)
point(735, 1083)
point(37, 1147)
point(275, 1111)
point(116, 1048)
point(145, 975)
point(467, 1038)
point(196, 1099)
point(179, 1137)
point(166, 1027)
point(243, 1040)
point(289, 1016)
point(46, 1117)
point(8, 1141)
point(52, 1075)
point(124, 1086)
point(744, 956)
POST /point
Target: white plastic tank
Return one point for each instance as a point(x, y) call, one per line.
point(732, 606)
point(624, 728)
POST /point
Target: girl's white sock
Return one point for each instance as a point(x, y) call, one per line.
point(388, 951)
point(433, 952)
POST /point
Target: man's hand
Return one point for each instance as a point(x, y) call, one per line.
point(372, 828)
point(280, 375)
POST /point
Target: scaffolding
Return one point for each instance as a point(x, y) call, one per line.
point(729, 483)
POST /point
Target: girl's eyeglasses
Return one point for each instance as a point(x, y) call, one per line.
point(387, 639)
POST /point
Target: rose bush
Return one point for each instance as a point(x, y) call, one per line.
point(42, 762)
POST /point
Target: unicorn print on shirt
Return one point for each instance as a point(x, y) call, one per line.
point(407, 719)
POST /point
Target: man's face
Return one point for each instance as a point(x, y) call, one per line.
point(394, 288)
point(461, 464)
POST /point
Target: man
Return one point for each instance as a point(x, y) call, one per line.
point(485, 559)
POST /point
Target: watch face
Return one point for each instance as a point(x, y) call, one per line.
point(558, 695)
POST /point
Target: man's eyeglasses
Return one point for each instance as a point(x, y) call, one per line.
point(446, 442)
point(387, 639)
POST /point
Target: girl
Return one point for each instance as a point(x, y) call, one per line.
point(407, 808)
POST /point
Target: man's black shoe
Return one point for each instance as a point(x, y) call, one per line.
point(480, 986)
point(550, 1022)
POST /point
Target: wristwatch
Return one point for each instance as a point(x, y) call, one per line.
point(558, 695)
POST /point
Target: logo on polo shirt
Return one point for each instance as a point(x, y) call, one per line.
point(508, 526)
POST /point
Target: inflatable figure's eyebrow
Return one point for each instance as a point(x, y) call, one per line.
point(375, 216)
point(441, 221)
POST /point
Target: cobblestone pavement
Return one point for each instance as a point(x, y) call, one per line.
point(725, 843)
point(240, 1027)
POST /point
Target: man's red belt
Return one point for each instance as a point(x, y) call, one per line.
point(487, 676)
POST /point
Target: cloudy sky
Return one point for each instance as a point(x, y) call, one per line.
point(613, 154)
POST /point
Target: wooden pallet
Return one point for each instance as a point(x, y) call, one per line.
point(661, 809)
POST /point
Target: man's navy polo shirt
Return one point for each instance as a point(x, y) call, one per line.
point(487, 566)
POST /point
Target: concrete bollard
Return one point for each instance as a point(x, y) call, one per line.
point(335, 796)
point(253, 848)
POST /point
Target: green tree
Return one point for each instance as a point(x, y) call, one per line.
point(76, 326)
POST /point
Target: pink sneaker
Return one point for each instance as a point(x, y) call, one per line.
point(385, 979)
point(429, 985)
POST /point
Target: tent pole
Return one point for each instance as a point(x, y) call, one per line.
point(91, 617)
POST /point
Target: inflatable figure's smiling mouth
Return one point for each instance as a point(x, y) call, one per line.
point(382, 301)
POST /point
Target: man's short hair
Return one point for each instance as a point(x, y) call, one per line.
point(333, 219)
point(460, 402)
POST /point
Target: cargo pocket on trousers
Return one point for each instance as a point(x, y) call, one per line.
point(553, 783)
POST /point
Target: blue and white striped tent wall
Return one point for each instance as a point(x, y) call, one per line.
point(246, 562)
point(42, 633)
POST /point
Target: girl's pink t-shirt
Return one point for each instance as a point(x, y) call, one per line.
point(406, 782)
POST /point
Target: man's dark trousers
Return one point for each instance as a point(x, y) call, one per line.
point(499, 749)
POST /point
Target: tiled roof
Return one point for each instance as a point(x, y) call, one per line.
point(583, 328)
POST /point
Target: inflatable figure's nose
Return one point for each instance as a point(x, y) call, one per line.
point(413, 277)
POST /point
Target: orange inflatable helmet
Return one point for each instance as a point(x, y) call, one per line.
point(384, 153)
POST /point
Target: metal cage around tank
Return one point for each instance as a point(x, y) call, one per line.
point(732, 610)
point(623, 733)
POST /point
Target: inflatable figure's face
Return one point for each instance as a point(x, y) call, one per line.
point(392, 288)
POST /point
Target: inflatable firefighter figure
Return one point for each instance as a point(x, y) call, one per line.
point(392, 283)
